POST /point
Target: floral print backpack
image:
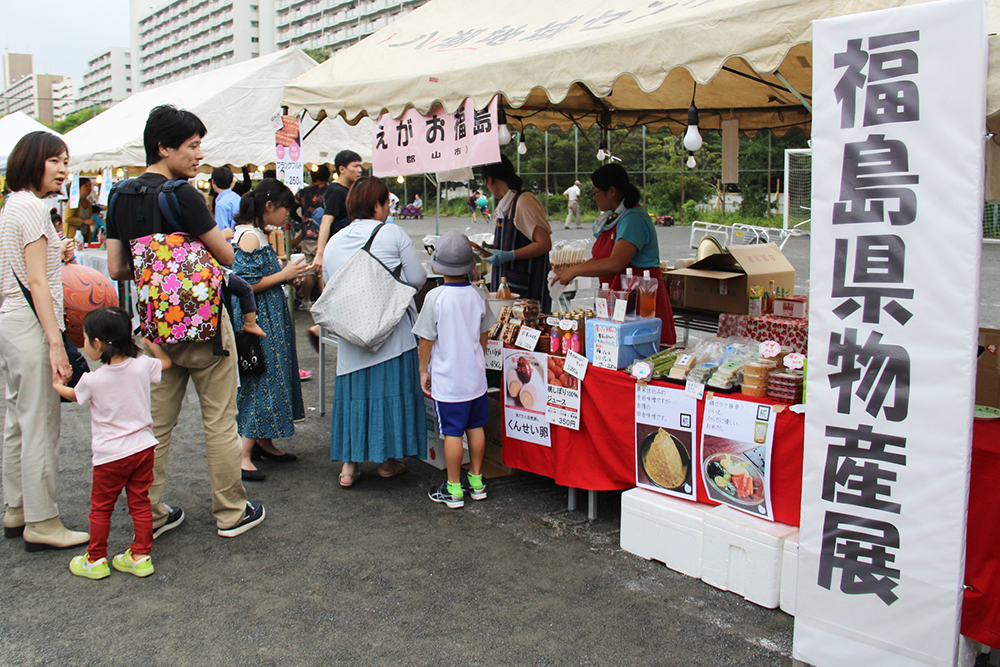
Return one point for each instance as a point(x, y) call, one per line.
point(177, 279)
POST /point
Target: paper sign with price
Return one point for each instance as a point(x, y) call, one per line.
point(576, 365)
point(494, 355)
point(527, 338)
point(606, 346)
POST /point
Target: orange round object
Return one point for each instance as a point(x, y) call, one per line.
point(84, 290)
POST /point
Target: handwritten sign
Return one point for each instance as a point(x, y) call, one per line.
point(641, 370)
point(494, 355)
point(770, 349)
point(694, 389)
point(795, 360)
point(621, 309)
point(736, 439)
point(606, 346)
point(602, 309)
point(527, 338)
point(576, 365)
point(439, 141)
point(563, 405)
point(670, 410)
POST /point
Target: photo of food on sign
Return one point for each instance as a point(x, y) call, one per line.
point(288, 135)
point(734, 473)
point(558, 377)
point(524, 381)
point(663, 459)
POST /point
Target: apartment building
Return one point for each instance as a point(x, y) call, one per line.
point(174, 39)
point(333, 24)
point(179, 38)
point(107, 80)
point(63, 98)
point(37, 95)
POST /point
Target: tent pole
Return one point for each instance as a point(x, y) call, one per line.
point(806, 103)
point(644, 167)
point(576, 152)
point(769, 134)
point(546, 174)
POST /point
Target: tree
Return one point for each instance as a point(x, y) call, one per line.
point(74, 119)
point(319, 55)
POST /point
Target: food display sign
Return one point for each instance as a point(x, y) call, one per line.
point(562, 402)
point(606, 346)
point(494, 355)
point(885, 470)
point(525, 394)
point(287, 151)
point(665, 437)
point(735, 461)
point(439, 141)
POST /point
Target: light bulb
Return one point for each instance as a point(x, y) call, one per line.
point(692, 138)
point(522, 147)
point(601, 155)
point(314, 167)
point(504, 135)
point(690, 162)
point(400, 179)
point(120, 172)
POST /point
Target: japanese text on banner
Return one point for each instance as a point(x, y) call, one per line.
point(665, 437)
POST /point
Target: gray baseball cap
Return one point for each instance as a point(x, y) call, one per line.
point(453, 255)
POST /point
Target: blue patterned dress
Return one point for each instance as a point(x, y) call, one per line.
point(269, 403)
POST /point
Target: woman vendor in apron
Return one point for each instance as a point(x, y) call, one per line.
point(522, 236)
point(626, 238)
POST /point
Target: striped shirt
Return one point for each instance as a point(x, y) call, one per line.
point(25, 219)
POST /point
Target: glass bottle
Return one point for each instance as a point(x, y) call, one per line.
point(503, 292)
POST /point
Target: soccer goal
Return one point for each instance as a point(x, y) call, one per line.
point(798, 188)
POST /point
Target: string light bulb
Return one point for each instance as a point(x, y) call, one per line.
point(400, 179)
point(691, 163)
point(522, 147)
point(502, 122)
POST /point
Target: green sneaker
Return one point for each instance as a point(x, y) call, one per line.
point(82, 567)
point(143, 567)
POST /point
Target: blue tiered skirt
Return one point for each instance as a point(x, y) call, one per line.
point(378, 412)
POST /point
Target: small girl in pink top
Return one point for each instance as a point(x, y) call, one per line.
point(122, 438)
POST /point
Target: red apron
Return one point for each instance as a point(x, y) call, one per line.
point(602, 250)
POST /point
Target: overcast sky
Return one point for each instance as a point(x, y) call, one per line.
point(63, 34)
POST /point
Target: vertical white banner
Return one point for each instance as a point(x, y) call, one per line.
point(897, 196)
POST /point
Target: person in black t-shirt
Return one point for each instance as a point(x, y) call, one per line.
point(172, 140)
point(348, 166)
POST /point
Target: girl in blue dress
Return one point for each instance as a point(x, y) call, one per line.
point(270, 403)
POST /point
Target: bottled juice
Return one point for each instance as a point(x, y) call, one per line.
point(503, 292)
point(647, 296)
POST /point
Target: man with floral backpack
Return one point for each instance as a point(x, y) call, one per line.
point(153, 225)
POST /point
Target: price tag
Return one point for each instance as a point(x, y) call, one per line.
point(694, 389)
point(602, 309)
point(527, 338)
point(641, 370)
point(621, 307)
point(552, 321)
point(606, 356)
point(795, 360)
point(683, 360)
point(770, 349)
point(494, 355)
point(567, 325)
point(576, 365)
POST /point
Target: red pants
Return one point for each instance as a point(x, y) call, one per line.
point(134, 474)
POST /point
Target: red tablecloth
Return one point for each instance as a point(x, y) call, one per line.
point(601, 457)
point(786, 330)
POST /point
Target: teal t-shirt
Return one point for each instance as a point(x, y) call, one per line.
point(635, 226)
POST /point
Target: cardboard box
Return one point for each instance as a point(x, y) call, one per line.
point(791, 306)
point(721, 283)
point(988, 368)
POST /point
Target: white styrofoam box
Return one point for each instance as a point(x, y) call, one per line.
point(789, 573)
point(742, 554)
point(435, 441)
point(663, 528)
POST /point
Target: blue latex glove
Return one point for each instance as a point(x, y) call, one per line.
point(500, 257)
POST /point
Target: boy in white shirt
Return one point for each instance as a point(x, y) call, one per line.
point(452, 329)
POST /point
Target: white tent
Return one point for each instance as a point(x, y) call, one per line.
point(235, 103)
point(563, 61)
point(14, 126)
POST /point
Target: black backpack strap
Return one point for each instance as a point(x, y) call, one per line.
point(371, 239)
point(169, 206)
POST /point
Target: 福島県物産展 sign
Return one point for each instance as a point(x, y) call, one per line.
point(898, 125)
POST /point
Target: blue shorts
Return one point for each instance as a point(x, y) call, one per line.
point(455, 418)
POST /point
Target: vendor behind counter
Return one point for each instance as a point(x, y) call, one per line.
point(626, 238)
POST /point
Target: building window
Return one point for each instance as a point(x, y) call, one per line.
point(254, 40)
point(253, 24)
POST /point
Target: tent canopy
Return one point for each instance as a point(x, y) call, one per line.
point(14, 126)
point(586, 61)
point(235, 103)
